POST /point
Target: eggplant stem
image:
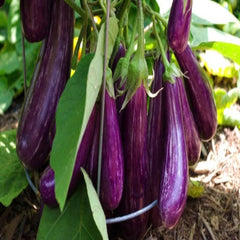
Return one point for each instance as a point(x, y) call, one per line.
point(75, 7)
point(103, 100)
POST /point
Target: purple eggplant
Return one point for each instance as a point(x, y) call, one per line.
point(136, 193)
point(35, 132)
point(47, 181)
point(199, 94)
point(193, 142)
point(35, 19)
point(179, 24)
point(2, 2)
point(174, 171)
point(112, 157)
point(154, 140)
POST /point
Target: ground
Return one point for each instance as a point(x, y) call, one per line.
point(215, 215)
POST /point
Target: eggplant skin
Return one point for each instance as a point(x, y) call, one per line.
point(199, 94)
point(111, 187)
point(136, 193)
point(47, 181)
point(154, 139)
point(36, 125)
point(179, 24)
point(35, 18)
point(2, 2)
point(193, 142)
point(174, 173)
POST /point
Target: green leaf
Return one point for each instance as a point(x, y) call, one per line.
point(231, 117)
point(195, 189)
point(96, 208)
point(231, 97)
point(74, 109)
point(12, 176)
point(207, 12)
point(210, 34)
point(5, 95)
point(74, 222)
point(69, 118)
point(8, 62)
point(229, 50)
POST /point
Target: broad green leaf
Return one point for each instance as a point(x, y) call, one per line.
point(231, 117)
point(153, 4)
point(95, 205)
point(5, 95)
point(69, 119)
point(12, 176)
point(3, 19)
point(210, 34)
point(229, 50)
point(206, 12)
point(8, 62)
point(74, 222)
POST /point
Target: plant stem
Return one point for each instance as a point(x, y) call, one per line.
point(24, 66)
point(122, 9)
point(103, 99)
point(162, 51)
point(75, 7)
point(141, 46)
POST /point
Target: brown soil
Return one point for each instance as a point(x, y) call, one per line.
point(215, 215)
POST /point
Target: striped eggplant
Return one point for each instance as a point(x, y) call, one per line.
point(179, 24)
point(154, 139)
point(35, 131)
point(136, 193)
point(35, 19)
point(193, 142)
point(47, 181)
point(112, 170)
point(174, 171)
point(199, 94)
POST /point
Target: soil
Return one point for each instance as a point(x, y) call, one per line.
point(214, 215)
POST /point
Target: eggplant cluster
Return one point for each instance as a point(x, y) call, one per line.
point(147, 145)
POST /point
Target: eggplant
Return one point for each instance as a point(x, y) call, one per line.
point(35, 19)
point(2, 2)
point(47, 181)
point(179, 24)
point(199, 94)
point(136, 193)
point(193, 142)
point(112, 170)
point(174, 172)
point(154, 140)
point(36, 125)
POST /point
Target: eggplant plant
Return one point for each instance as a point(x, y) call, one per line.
point(109, 153)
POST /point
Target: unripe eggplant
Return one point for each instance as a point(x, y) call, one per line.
point(199, 94)
point(1, 2)
point(154, 139)
point(136, 181)
point(179, 24)
point(35, 18)
point(193, 142)
point(47, 181)
point(111, 187)
point(34, 134)
point(174, 172)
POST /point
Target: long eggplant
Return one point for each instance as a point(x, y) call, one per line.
point(199, 93)
point(193, 142)
point(174, 171)
point(112, 157)
point(34, 137)
point(179, 24)
point(35, 19)
point(154, 139)
point(136, 193)
point(47, 181)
